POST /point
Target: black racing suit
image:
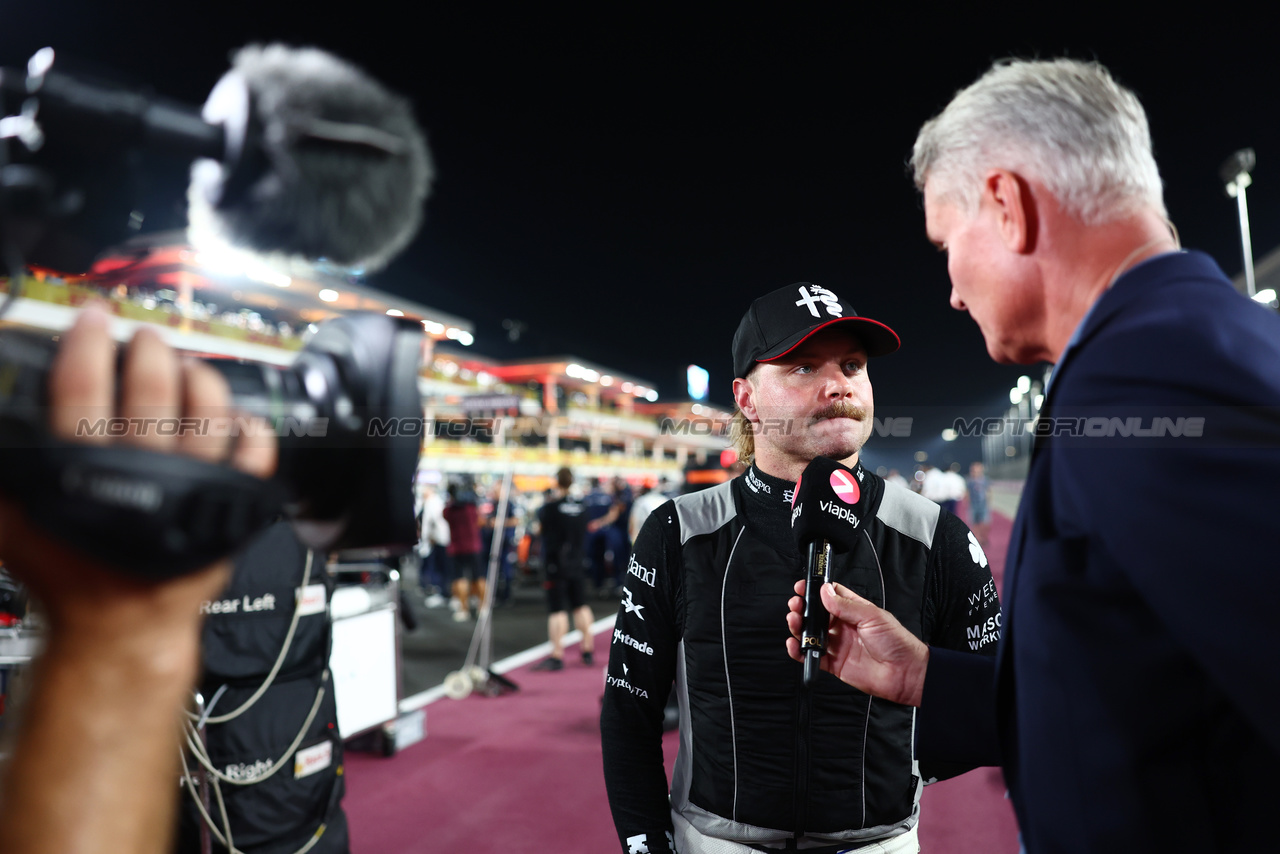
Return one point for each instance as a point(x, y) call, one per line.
point(760, 761)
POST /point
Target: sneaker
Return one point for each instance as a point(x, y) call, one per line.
point(435, 600)
point(549, 664)
point(461, 616)
point(588, 658)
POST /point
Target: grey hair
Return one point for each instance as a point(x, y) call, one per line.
point(1066, 123)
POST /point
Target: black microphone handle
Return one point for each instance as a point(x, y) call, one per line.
point(133, 117)
point(813, 641)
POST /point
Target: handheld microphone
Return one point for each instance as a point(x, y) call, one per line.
point(826, 512)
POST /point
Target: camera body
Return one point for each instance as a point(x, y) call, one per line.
point(344, 477)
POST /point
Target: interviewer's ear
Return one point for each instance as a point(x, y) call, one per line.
point(1015, 207)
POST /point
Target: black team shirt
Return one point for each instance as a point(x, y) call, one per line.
point(564, 530)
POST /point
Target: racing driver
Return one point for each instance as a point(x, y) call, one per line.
point(705, 589)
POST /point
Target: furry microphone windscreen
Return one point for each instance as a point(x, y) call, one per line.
point(323, 162)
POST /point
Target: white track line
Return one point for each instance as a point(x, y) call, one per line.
point(429, 696)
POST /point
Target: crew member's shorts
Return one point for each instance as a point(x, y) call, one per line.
point(981, 515)
point(465, 566)
point(564, 590)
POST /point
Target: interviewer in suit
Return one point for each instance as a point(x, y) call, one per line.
point(1135, 700)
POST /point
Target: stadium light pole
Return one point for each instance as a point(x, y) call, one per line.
point(1235, 174)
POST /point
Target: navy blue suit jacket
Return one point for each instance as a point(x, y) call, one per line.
point(1135, 704)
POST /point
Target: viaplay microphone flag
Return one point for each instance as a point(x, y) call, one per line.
point(826, 512)
point(828, 505)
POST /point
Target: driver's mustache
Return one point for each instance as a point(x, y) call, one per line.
point(841, 409)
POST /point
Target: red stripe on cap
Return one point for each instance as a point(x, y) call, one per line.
point(828, 323)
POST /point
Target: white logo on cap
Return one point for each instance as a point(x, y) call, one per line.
point(811, 296)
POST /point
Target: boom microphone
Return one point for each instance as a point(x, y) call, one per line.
point(323, 161)
point(301, 154)
point(826, 512)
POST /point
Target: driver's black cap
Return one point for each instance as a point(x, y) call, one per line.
point(779, 321)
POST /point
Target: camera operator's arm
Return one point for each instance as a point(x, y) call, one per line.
point(94, 765)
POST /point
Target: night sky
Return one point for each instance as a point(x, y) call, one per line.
point(624, 182)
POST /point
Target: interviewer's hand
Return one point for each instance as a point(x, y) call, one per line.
point(866, 646)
